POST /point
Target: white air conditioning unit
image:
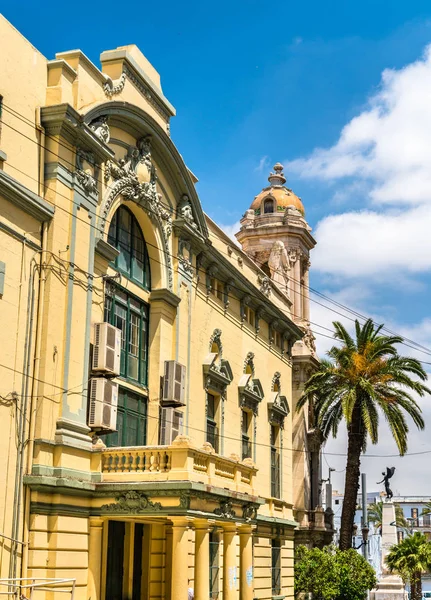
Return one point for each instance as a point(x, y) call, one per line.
point(107, 348)
point(171, 425)
point(102, 412)
point(174, 384)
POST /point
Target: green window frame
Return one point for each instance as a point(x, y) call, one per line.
point(126, 235)
point(131, 420)
point(130, 315)
point(214, 570)
point(276, 566)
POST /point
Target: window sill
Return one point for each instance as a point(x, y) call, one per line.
point(132, 383)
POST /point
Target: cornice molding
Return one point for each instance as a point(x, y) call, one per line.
point(141, 80)
point(64, 120)
point(165, 295)
point(106, 250)
point(28, 201)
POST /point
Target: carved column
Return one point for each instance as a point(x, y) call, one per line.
point(306, 291)
point(297, 302)
point(202, 559)
point(230, 578)
point(180, 553)
point(94, 558)
point(245, 563)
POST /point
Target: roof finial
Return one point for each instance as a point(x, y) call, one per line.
point(277, 178)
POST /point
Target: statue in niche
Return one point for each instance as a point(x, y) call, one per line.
point(389, 473)
point(279, 264)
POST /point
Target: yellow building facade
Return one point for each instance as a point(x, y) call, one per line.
point(149, 442)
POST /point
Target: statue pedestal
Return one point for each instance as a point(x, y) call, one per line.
point(390, 586)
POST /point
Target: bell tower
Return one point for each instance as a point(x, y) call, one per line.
point(276, 235)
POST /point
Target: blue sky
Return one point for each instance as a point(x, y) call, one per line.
point(299, 83)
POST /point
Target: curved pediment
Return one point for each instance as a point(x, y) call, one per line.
point(250, 392)
point(139, 124)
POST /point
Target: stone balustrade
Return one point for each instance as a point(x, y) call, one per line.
point(178, 462)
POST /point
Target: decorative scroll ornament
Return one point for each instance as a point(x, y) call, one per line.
point(185, 256)
point(134, 178)
point(225, 510)
point(86, 170)
point(276, 383)
point(249, 362)
point(216, 339)
point(111, 88)
point(132, 503)
point(101, 128)
point(184, 211)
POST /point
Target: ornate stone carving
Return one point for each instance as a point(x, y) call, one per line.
point(216, 339)
point(86, 170)
point(134, 177)
point(225, 510)
point(309, 340)
point(101, 128)
point(184, 211)
point(249, 512)
point(212, 271)
point(293, 254)
point(245, 301)
point(185, 255)
point(279, 264)
point(276, 382)
point(131, 503)
point(249, 362)
point(111, 88)
point(265, 285)
point(227, 289)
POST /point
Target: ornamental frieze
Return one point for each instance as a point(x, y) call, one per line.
point(131, 503)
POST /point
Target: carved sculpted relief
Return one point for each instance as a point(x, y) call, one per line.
point(134, 178)
point(86, 170)
point(279, 264)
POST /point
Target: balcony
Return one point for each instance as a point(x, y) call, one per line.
point(179, 462)
point(420, 522)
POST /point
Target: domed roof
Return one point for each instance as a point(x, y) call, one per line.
point(277, 191)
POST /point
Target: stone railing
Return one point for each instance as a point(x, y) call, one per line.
point(178, 462)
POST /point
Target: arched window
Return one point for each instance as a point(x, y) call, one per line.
point(126, 235)
point(268, 206)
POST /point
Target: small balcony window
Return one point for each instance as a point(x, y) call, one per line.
point(212, 426)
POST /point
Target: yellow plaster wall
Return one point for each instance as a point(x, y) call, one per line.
point(23, 87)
point(14, 311)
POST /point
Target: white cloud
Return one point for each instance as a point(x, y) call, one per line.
point(388, 144)
point(263, 164)
point(367, 243)
point(383, 158)
point(230, 230)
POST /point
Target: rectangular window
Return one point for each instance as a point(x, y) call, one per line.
point(214, 565)
point(275, 463)
point(131, 421)
point(212, 429)
point(131, 317)
point(276, 566)
point(245, 426)
point(414, 519)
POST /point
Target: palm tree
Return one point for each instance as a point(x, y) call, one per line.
point(410, 558)
point(375, 515)
point(364, 378)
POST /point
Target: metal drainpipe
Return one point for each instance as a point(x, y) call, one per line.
point(33, 401)
point(22, 420)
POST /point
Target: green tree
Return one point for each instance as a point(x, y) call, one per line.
point(332, 574)
point(410, 558)
point(375, 515)
point(364, 377)
point(315, 573)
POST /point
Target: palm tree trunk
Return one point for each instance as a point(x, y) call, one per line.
point(351, 486)
point(418, 586)
point(412, 589)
